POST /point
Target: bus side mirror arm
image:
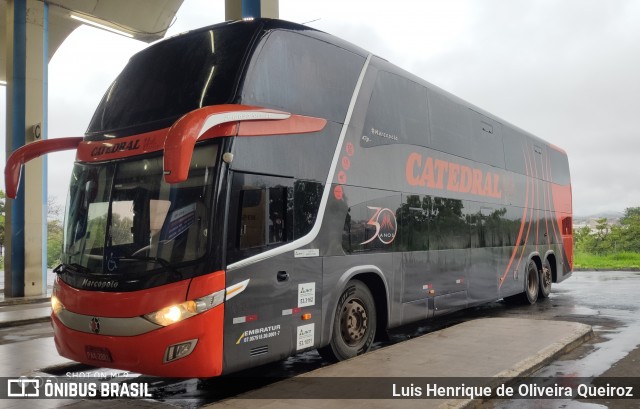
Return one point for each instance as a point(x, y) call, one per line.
point(24, 154)
point(182, 136)
point(253, 121)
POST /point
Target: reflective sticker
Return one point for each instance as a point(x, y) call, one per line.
point(346, 163)
point(304, 336)
point(342, 177)
point(246, 318)
point(291, 311)
point(306, 253)
point(350, 149)
point(306, 294)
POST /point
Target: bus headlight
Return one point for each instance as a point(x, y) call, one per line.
point(56, 305)
point(178, 312)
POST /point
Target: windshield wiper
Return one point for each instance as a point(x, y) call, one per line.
point(164, 263)
point(73, 267)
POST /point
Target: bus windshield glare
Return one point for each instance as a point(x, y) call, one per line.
point(171, 78)
point(123, 218)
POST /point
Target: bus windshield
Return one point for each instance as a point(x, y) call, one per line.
point(123, 218)
point(171, 78)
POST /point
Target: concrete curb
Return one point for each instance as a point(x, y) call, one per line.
point(529, 366)
point(22, 301)
point(17, 323)
point(467, 348)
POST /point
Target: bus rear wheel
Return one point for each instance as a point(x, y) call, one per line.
point(545, 280)
point(354, 325)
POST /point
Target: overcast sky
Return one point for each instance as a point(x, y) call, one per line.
point(567, 71)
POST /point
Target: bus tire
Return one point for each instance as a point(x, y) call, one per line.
point(354, 325)
point(531, 287)
point(545, 280)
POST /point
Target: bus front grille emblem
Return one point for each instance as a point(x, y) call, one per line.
point(94, 325)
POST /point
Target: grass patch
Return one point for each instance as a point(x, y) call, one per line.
point(616, 261)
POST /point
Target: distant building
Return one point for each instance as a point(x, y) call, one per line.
point(592, 221)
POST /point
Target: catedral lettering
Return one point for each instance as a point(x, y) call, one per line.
point(454, 177)
point(118, 147)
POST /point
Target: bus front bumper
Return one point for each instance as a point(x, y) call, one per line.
point(190, 348)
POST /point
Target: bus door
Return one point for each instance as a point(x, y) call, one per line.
point(265, 321)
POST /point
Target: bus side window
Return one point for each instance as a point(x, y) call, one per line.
point(263, 217)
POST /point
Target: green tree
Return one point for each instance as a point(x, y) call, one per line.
point(54, 242)
point(629, 230)
point(54, 232)
point(601, 243)
point(582, 238)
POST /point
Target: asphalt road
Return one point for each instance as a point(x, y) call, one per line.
point(608, 301)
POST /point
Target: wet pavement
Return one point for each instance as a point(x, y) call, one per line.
point(608, 301)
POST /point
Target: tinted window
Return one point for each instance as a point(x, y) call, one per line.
point(371, 223)
point(174, 77)
point(514, 149)
point(487, 140)
point(450, 125)
point(306, 156)
point(302, 75)
point(559, 167)
point(413, 222)
point(263, 217)
point(448, 228)
point(306, 198)
point(397, 113)
point(270, 212)
point(490, 227)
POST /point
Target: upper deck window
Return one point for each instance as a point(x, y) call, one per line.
point(397, 113)
point(450, 125)
point(302, 75)
point(173, 77)
point(559, 167)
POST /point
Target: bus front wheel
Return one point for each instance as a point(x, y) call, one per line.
point(354, 325)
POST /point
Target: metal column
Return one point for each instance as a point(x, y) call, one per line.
point(239, 9)
point(26, 77)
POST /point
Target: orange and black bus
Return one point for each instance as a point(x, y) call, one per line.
point(255, 189)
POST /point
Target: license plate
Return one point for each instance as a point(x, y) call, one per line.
point(98, 354)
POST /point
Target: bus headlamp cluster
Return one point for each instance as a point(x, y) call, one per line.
point(178, 312)
point(56, 305)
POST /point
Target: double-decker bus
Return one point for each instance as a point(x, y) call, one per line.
point(254, 189)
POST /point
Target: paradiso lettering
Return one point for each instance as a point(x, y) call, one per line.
point(454, 177)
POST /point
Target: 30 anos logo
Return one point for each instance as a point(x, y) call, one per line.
point(384, 220)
